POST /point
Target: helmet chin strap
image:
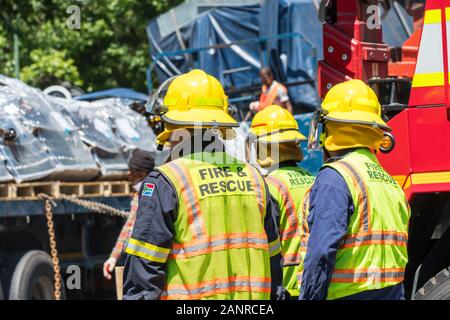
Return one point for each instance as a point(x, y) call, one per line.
point(326, 155)
point(322, 137)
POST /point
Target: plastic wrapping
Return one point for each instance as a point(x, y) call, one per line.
point(96, 131)
point(26, 157)
point(56, 132)
point(5, 176)
point(74, 159)
point(131, 129)
point(82, 117)
point(49, 143)
point(68, 140)
point(16, 86)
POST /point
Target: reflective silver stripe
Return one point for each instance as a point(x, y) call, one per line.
point(291, 260)
point(289, 234)
point(217, 286)
point(147, 251)
point(365, 195)
point(217, 243)
point(274, 247)
point(258, 189)
point(376, 237)
point(192, 200)
point(290, 208)
point(377, 276)
point(305, 209)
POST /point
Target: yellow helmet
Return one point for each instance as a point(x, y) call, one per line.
point(193, 100)
point(353, 102)
point(275, 124)
point(350, 103)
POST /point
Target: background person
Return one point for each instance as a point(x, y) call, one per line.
point(272, 93)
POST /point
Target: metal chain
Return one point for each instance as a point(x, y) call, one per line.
point(53, 249)
point(95, 206)
point(91, 205)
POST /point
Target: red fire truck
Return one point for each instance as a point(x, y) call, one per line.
point(412, 83)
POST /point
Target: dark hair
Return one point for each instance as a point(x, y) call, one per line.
point(266, 70)
point(141, 160)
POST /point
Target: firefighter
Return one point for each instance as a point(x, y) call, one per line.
point(277, 138)
point(358, 214)
point(204, 227)
point(141, 163)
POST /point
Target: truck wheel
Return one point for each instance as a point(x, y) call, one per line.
point(437, 288)
point(32, 278)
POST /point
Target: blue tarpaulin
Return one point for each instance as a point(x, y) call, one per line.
point(113, 93)
point(233, 39)
point(291, 56)
point(296, 59)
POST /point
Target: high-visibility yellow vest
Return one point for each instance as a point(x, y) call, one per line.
point(304, 235)
point(268, 98)
point(288, 186)
point(373, 254)
point(220, 248)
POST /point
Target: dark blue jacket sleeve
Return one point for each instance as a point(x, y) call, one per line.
point(271, 228)
point(330, 208)
point(145, 279)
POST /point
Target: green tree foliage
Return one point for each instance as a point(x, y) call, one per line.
point(110, 49)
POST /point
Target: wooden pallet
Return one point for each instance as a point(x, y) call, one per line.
point(31, 190)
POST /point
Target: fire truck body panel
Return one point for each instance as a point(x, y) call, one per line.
point(420, 120)
point(420, 160)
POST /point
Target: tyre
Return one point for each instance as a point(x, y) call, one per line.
point(32, 277)
point(437, 288)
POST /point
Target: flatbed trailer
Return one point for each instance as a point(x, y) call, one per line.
point(84, 237)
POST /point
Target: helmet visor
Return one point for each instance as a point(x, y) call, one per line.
point(154, 104)
point(315, 129)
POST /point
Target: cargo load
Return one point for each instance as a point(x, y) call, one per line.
point(67, 140)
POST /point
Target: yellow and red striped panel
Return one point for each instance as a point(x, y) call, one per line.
point(431, 78)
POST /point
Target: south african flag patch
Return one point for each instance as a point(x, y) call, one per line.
point(148, 189)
